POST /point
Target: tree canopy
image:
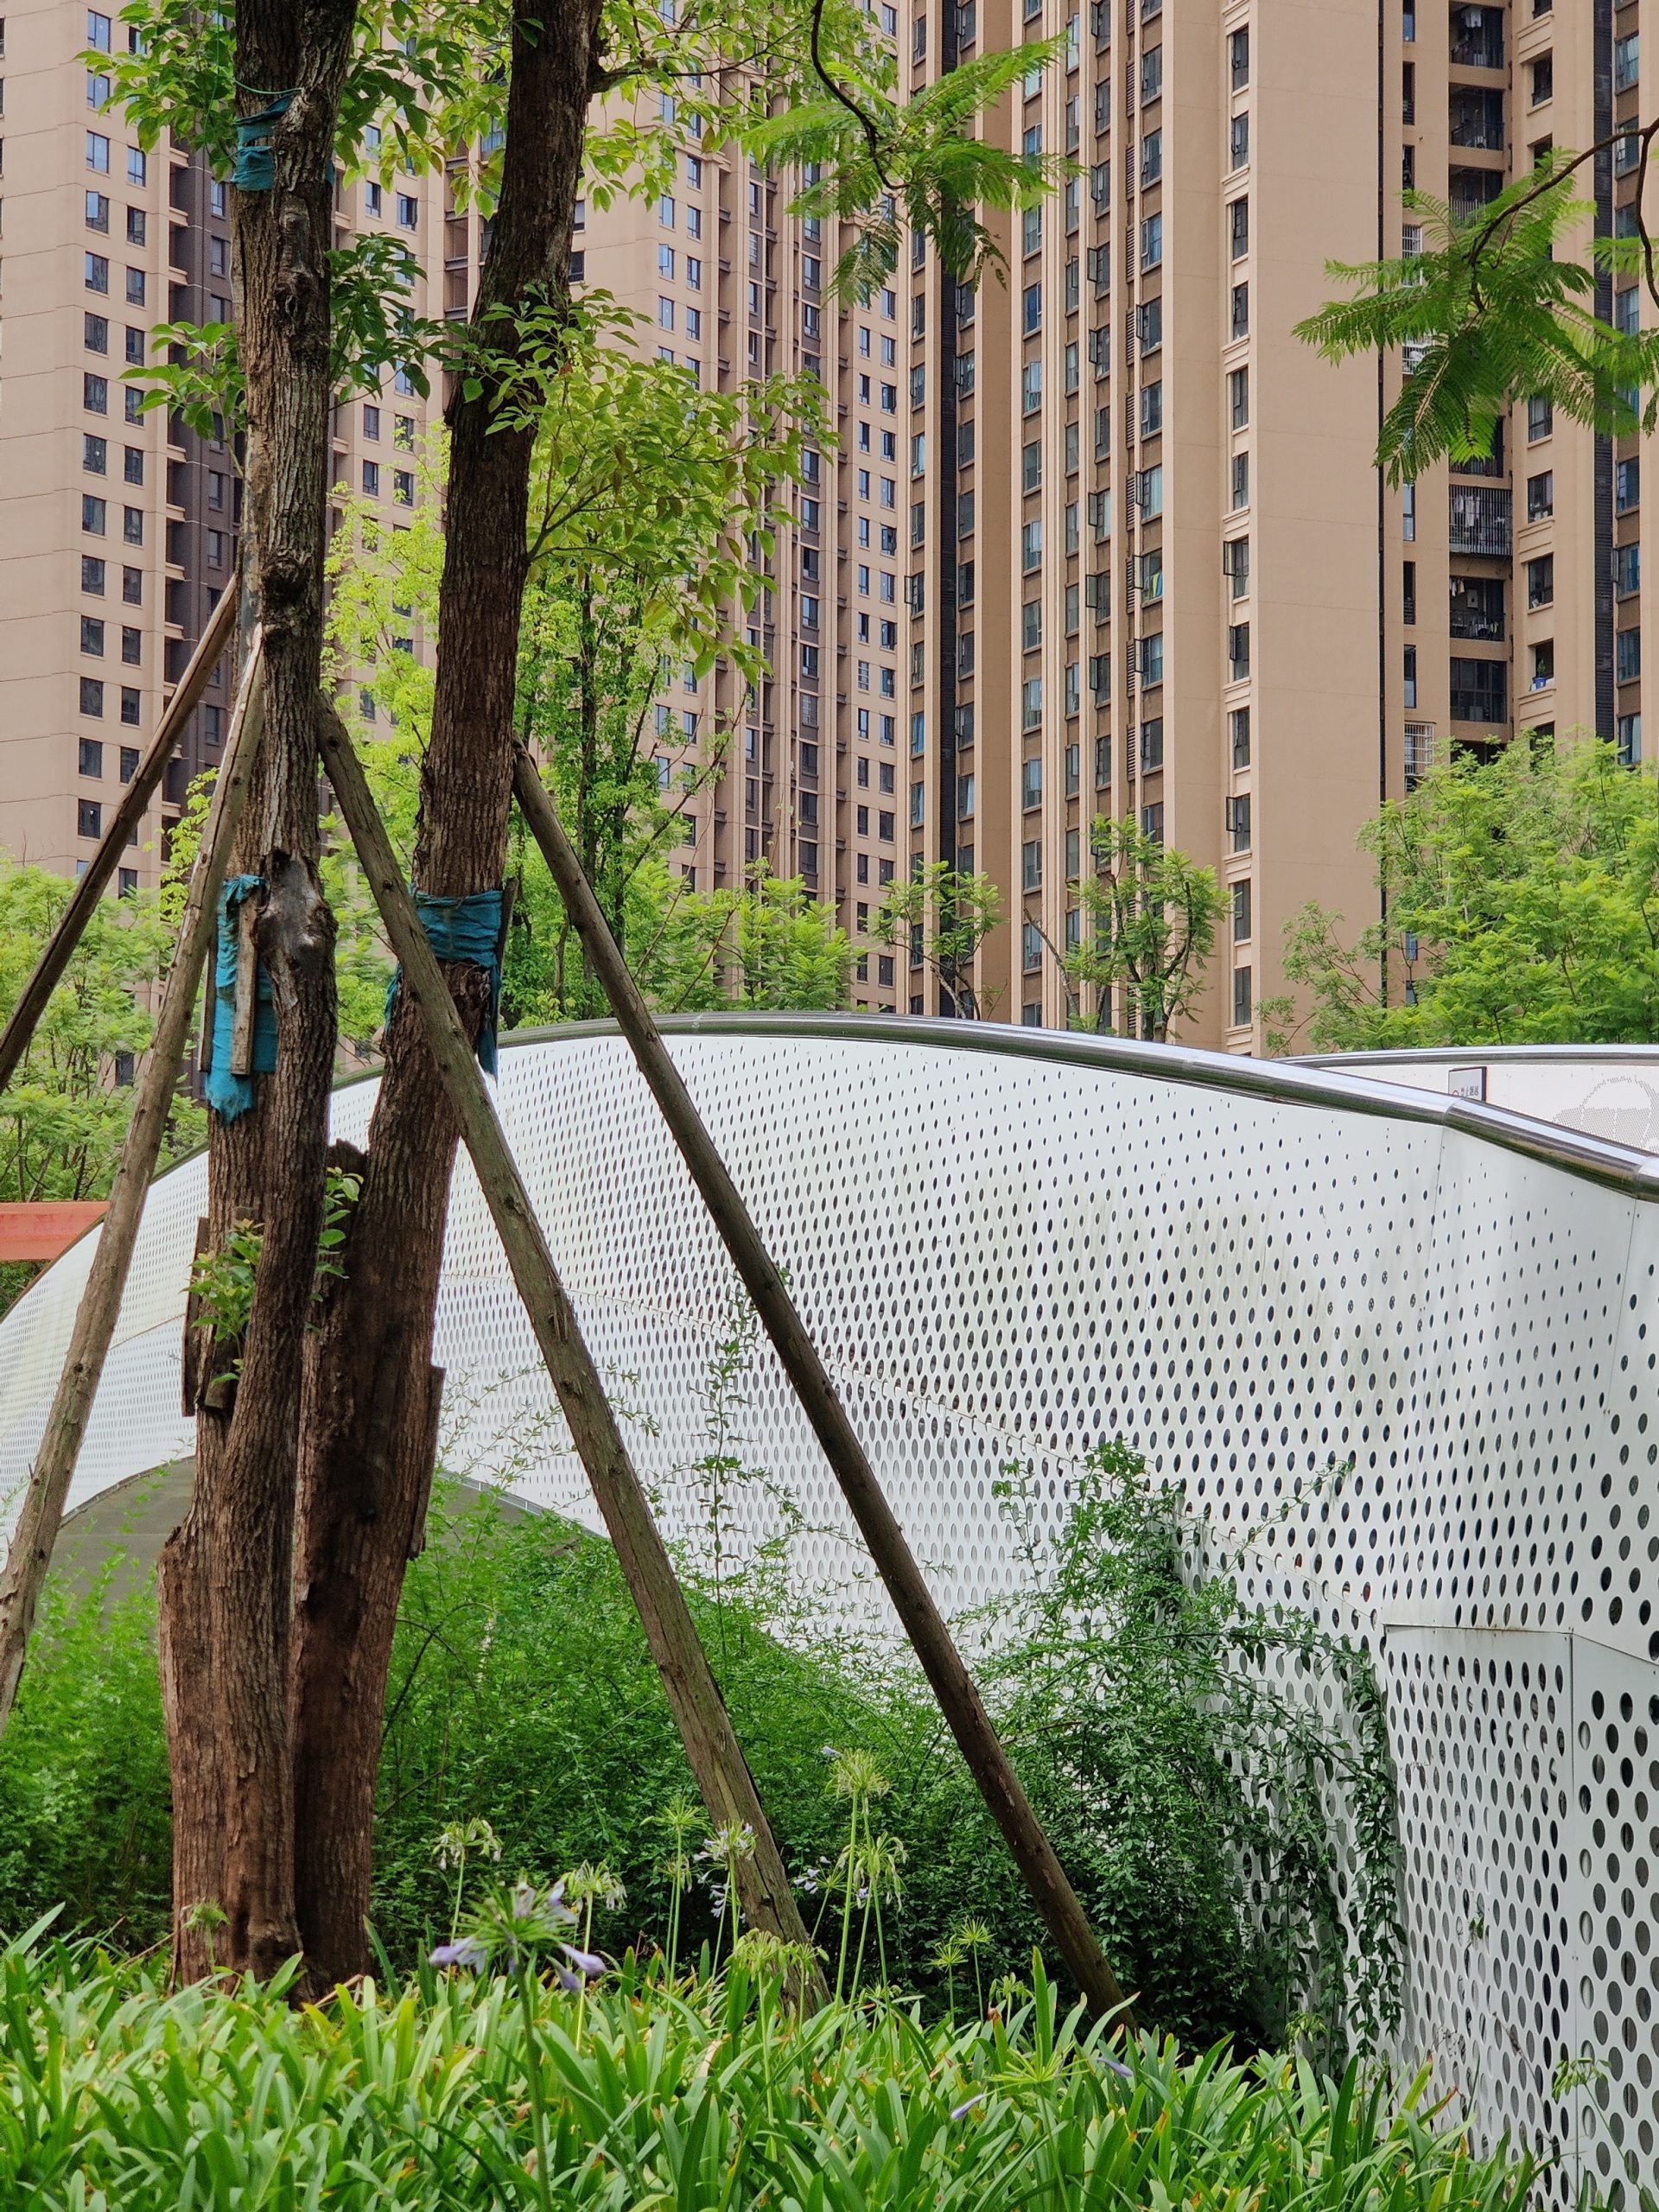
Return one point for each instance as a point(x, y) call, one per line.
point(1521, 897)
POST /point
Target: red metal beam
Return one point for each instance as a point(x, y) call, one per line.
point(40, 1232)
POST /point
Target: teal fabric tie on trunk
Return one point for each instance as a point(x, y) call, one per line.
point(469, 931)
point(255, 166)
point(232, 1094)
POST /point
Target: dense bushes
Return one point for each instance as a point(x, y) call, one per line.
point(522, 1693)
point(448, 2094)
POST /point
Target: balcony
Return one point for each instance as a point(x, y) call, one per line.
point(1477, 38)
point(1476, 119)
point(1481, 520)
point(1479, 691)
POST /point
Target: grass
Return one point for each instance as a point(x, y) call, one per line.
point(705, 2097)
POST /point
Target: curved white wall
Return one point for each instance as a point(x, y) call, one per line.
point(1013, 1244)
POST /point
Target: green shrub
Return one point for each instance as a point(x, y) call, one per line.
point(522, 1693)
point(455, 2096)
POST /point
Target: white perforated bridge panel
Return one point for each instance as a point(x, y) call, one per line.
point(1010, 1245)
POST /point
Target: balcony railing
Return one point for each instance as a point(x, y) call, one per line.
point(1482, 520)
point(1477, 38)
point(1477, 119)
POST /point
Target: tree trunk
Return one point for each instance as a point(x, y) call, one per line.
point(368, 1447)
point(226, 1573)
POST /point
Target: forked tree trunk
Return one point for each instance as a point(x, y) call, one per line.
point(226, 1573)
point(367, 1456)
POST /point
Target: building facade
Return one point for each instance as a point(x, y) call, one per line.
point(1098, 536)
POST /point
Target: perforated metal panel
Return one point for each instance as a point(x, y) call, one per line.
point(1009, 1246)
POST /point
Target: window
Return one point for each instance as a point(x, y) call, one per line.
point(1237, 822)
point(135, 288)
point(92, 696)
point(89, 818)
point(130, 708)
point(1238, 59)
point(1031, 319)
point(1031, 865)
point(1627, 62)
point(97, 272)
point(1236, 566)
point(1479, 691)
point(1152, 73)
point(132, 645)
point(1629, 730)
point(97, 211)
point(1031, 716)
point(1542, 72)
point(1540, 577)
point(1031, 387)
point(92, 635)
point(1151, 745)
point(137, 165)
point(94, 454)
point(1030, 959)
point(1149, 324)
point(1240, 480)
point(1152, 660)
point(1241, 996)
point(1409, 511)
point(92, 756)
point(1031, 467)
point(1627, 572)
point(132, 465)
point(1543, 663)
point(93, 574)
point(1409, 677)
point(1627, 486)
point(95, 330)
point(135, 347)
point(1627, 310)
point(1238, 726)
point(1030, 544)
point(1238, 651)
point(1152, 157)
point(1238, 397)
point(98, 153)
point(1149, 492)
point(1238, 140)
point(1238, 227)
point(1541, 495)
point(1627, 655)
point(1152, 823)
point(1540, 417)
point(372, 479)
point(1241, 311)
point(132, 587)
point(1152, 410)
point(94, 514)
point(1152, 241)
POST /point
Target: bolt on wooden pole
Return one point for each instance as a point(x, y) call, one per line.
point(37, 1533)
point(952, 1683)
point(705, 1726)
point(60, 945)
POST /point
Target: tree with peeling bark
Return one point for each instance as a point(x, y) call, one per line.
point(280, 1590)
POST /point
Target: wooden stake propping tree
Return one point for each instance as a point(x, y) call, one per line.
point(36, 1535)
point(60, 947)
point(952, 1683)
point(711, 1744)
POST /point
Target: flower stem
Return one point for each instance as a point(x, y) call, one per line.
point(538, 2103)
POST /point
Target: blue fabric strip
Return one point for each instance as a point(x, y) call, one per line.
point(255, 166)
point(469, 931)
point(231, 1094)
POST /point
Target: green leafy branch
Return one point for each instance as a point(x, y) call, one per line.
point(1493, 311)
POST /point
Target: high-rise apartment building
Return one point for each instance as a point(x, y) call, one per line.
point(1153, 572)
point(1099, 536)
point(121, 525)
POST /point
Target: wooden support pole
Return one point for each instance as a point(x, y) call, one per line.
point(705, 1726)
point(953, 1685)
point(60, 945)
point(32, 1543)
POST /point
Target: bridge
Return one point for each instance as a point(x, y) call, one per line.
point(1397, 1338)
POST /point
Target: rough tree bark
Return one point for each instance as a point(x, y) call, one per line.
point(226, 1572)
point(367, 1456)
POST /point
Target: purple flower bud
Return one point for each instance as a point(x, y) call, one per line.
point(963, 2110)
point(587, 1962)
point(469, 1955)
